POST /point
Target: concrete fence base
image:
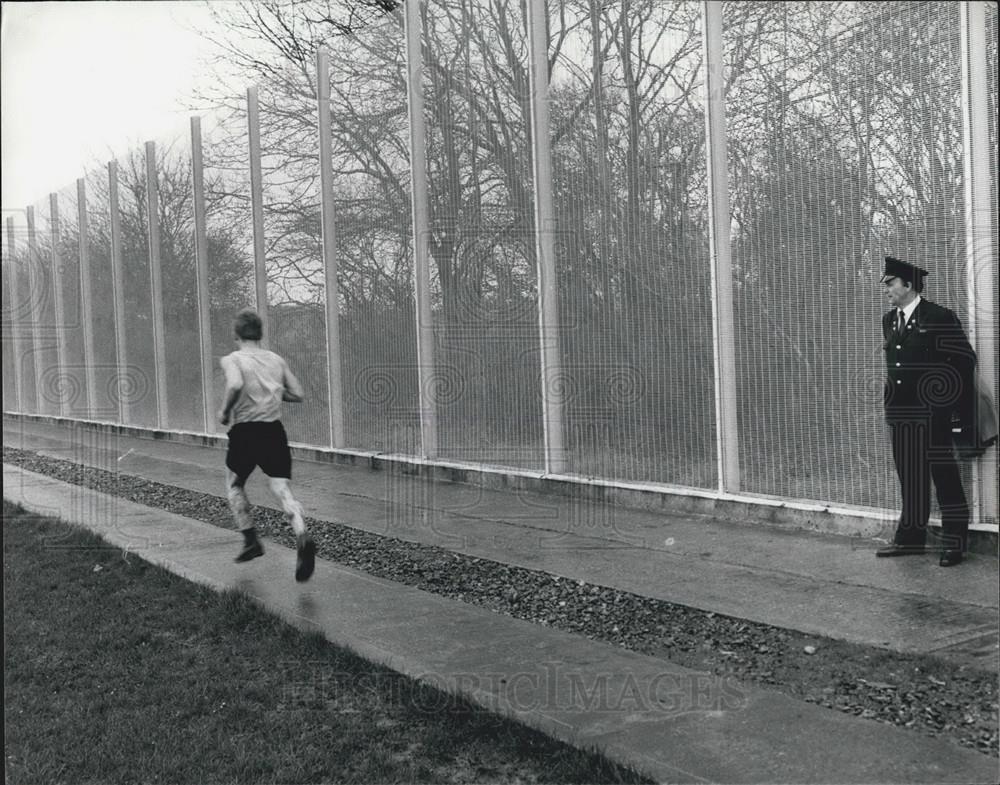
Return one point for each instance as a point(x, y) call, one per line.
point(753, 509)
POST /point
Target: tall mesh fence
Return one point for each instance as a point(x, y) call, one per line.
point(630, 204)
point(139, 377)
point(177, 264)
point(293, 245)
point(10, 391)
point(845, 143)
point(228, 231)
point(483, 267)
point(371, 162)
point(98, 237)
point(44, 328)
point(18, 331)
point(72, 377)
point(989, 65)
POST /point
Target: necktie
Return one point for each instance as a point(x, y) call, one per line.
point(900, 324)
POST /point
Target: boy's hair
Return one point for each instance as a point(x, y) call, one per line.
point(248, 325)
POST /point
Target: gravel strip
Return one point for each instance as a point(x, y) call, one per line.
point(925, 693)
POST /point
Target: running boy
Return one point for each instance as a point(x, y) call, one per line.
point(257, 381)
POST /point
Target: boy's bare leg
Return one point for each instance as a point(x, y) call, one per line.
point(281, 487)
point(239, 504)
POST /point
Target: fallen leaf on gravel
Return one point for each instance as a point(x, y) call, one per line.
point(809, 649)
point(939, 683)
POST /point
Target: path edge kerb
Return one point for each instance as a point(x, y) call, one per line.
point(802, 515)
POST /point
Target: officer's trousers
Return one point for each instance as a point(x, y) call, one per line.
point(923, 451)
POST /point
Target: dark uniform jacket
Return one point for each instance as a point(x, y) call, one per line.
point(930, 368)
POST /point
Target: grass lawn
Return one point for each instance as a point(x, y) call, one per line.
point(118, 671)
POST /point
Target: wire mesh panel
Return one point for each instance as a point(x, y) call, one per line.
point(482, 259)
point(374, 239)
point(105, 407)
point(73, 376)
point(138, 380)
point(630, 199)
point(845, 145)
point(293, 247)
point(228, 229)
point(23, 303)
point(45, 346)
point(177, 259)
point(10, 397)
point(989, 65)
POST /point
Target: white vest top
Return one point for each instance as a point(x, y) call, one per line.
point(263, 386)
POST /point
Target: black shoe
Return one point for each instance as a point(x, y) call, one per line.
point(950, 558)
point(250, 551)
point(306, 562)
point(901, 550)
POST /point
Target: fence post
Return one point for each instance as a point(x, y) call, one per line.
point(333, 368)
point(9, 401)
point(156, 287)
point(979, 234)
point(124, 386)
point(548, 306)
point(426, 368)
point(723, 331)
point(86, 298)
point(257, 212)
point(201, 276)
point(59, 320)
point(16, 308)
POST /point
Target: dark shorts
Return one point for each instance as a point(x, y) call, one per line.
point(263, 444)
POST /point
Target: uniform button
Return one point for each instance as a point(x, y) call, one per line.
point(897, 365)
point(898, 346)
point(899, 381)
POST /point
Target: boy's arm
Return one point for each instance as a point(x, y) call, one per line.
point(293, 392)
point(234, 386)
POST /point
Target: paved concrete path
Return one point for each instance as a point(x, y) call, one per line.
point(815, 583)
point(675, 724)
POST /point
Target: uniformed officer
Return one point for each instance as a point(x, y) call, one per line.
point(930, 377)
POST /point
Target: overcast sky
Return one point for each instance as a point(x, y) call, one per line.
point(83, 81)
